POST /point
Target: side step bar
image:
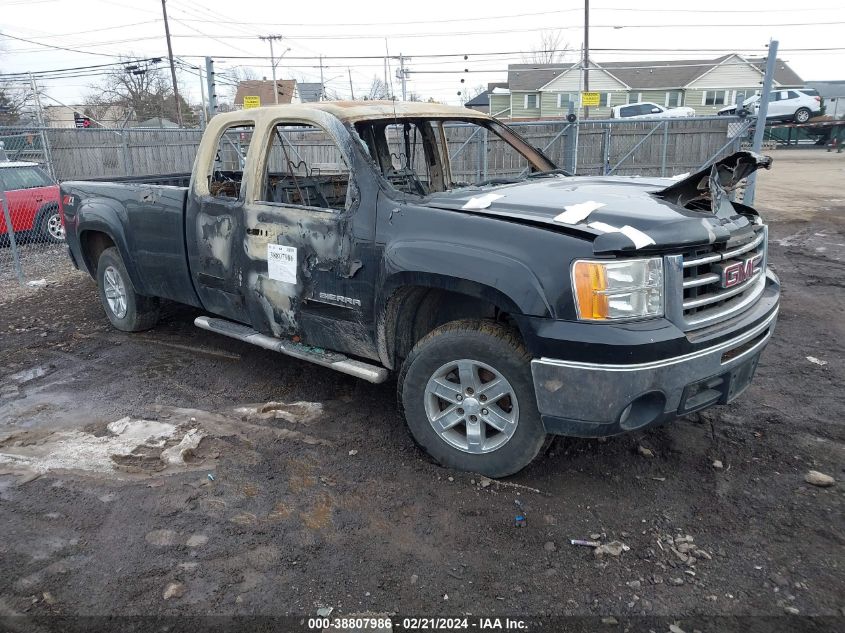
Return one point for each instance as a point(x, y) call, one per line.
point(326, 358)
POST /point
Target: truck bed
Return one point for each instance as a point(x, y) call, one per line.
point(171, 180)
point(149, 229)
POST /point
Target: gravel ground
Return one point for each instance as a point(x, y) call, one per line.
point(320, 498)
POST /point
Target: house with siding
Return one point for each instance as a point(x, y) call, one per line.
point(540, 91)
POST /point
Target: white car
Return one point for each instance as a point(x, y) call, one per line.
point(648, 110)
point(798, 105)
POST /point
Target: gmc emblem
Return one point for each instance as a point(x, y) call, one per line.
point(732, 274)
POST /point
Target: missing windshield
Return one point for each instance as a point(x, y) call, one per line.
point(420, 156)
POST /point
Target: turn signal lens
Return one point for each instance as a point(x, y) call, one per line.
point(618, 290)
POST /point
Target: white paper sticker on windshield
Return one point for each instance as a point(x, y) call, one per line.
point(281, 263)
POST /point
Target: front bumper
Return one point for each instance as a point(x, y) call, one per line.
point(585, 399)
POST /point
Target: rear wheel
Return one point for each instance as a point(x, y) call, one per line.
point(125, 308)
point(50, 226)
point(468, 398)
point(802, 115)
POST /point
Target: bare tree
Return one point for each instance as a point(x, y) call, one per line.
point(551, 49)
point(139, 89)
point(13, 99)
point(378, 90)
point(472, 93)
point(238, 74)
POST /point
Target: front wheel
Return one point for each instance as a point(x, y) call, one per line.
point(468, 397)
point(50, 226)
point(125, 308)
point(802, 115)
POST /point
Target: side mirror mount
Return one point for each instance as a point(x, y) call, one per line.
point(655, 110)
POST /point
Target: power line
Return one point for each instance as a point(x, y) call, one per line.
point(58, 48)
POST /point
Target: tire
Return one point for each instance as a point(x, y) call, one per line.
point(802, 115)
point(506, 435)
point(50, 227)
point(125, 308)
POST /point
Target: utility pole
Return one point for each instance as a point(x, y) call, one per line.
point(403, 77)
point(204, 117)
point(39, 113)
point(586, 53)
point(322, 86)
point(271, 38)
point(760, 125)
point(212, 87)
point(172, 65)
point(351, 89)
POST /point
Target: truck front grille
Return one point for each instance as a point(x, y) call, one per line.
point(716, 285)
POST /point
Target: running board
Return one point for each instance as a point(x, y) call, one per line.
point(325, 358)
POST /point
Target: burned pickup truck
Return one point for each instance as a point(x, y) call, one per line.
point(510, 304)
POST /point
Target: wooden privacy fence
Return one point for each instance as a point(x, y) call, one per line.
point(620, 147)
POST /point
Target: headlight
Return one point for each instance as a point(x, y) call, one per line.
point(618, 290)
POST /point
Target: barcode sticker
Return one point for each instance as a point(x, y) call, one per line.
point(281, 263)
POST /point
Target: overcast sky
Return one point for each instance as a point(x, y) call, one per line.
point(490, 34)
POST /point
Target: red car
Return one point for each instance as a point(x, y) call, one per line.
point(33, 198)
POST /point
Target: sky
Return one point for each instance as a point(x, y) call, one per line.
point(435, 36)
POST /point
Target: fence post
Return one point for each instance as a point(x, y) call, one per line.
point(665, 147)
point(760, 125)
point(11, 233)
point(486, 155)
point(605, 150)
point(480, 160)
point(570, 143)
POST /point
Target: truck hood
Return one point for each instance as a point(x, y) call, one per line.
point(663, 212)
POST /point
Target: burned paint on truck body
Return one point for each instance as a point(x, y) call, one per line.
point(356, 264)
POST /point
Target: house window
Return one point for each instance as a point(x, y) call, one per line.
point(673, 98)
point(714, 97)
point(532, 101)
point(634, 97)
point(563, 99)
point(604, 99)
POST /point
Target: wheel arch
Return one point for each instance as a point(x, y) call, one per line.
point(94, 238)
point(412, 304)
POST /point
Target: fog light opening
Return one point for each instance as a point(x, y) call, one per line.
point(642, 411)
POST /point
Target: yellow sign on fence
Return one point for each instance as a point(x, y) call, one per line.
point(255, 102)
point(588, 99)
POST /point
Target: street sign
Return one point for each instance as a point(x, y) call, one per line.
point(252, 102)
point(590, 99)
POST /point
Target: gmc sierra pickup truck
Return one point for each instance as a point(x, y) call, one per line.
point(511, 304)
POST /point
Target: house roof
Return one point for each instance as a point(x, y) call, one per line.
point(642, 75)
point(784, 75)
point(674, 73)
point(828, 89)
point(263, 89)
point(532, 76)
point(309, 92)
point(482, 99)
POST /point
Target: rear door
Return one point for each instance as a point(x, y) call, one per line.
point(214, 218)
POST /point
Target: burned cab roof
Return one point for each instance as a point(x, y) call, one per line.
point(353, 111)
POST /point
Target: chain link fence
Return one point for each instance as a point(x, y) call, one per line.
point(33, 160)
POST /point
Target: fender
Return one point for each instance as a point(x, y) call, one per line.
point(491, 277)
point(495, 277)
point(106, 216)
